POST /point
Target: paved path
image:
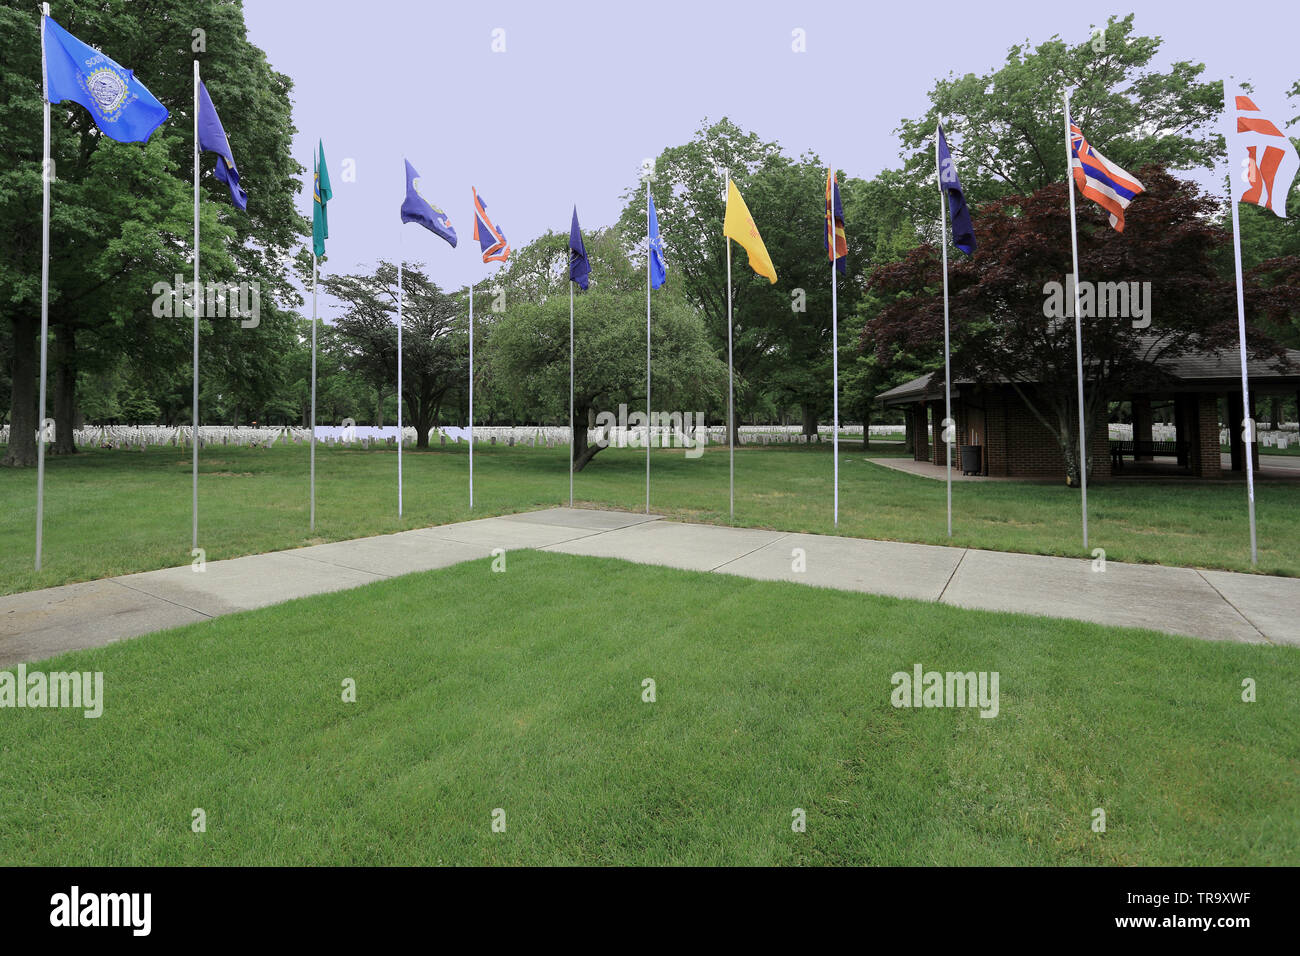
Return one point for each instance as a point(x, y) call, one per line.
point(1270, 467)
point(1218, 605)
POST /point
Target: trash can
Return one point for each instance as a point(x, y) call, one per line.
point(972, 459)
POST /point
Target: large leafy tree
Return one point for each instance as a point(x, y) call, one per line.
point(121, 217)
point(1005, 126)
point(434, 338)
point(1009, 122)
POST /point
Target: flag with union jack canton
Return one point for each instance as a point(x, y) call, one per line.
point(1267, 157)
point(490, 239)
point(1100, 180)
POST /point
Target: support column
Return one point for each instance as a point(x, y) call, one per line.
point(921, 452)
point(1254, 446)
point(1205, 452)
point(1142, 421)
point(1182, 422)
point(1235, 444)
point(938, 449)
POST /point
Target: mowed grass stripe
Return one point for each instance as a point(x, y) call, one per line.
point(522, 690)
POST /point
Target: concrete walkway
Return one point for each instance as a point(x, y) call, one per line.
point(1218, 605)
point(1279, 467)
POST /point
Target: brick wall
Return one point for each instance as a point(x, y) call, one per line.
point(921, 451)
point(939, 448)
point(1019, 446)
point(1204, 436)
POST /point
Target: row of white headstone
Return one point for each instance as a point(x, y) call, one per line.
point(1281, 437)
point(364, 436)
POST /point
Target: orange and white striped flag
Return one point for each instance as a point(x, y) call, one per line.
point(1266, 157)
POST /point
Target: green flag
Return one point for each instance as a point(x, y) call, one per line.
point(321, 194)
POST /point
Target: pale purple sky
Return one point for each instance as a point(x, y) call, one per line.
point(586, 90)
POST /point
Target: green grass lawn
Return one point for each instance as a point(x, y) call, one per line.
point(523, 691)
point(112, 512)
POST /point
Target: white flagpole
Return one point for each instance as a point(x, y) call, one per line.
point(399, 373)
point(46, 175)
point(835, 357)
point(573, 428)
point(312, 455)
point(648, 258)
point(471, 396)
point(731, 447)
point(1078, 323)
point(947, 364)
point(1248, 430)
point(198, 299)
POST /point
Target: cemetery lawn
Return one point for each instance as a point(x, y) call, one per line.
point(113, 512)
point(521, 691)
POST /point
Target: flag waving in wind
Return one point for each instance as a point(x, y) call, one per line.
point(579, 265)
point(738, 224)
point(658, 267)
point(122, 108)
point(119, 103)
point(212, 138)
point(1266, 156)
point(963, 234)
point(1100, 180)
point(320, 195)
point(835, 223)
point(415, 208)
point(490, 239)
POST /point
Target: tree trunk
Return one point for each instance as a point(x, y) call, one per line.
point(21, 452)
point(810, 420)
point(422, 419)
point(866, 428)
point(583, 451)
point(1276, 405)
point(65, 391)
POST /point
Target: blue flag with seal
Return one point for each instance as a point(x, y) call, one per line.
point(658, 267)
point(963, 234)
point(415, 208)
point(212, 138)
point(120, 104)
point(579, 264)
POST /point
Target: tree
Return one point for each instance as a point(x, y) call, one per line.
point(1010, 121)
point(528, 347)
point(434, 338)
point(781, 333)
point(1009, 141)
point(121, 212)
point(1000, 329)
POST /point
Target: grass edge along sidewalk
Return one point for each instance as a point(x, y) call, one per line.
point(479, 692)
point(1216, 605)
point(114, 512)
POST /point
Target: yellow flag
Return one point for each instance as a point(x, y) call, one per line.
point(739, 225)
